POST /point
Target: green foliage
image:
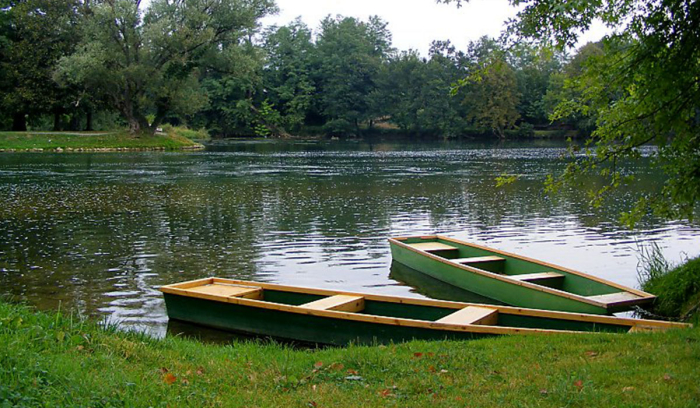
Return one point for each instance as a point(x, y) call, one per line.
point(349, 56)
point(152, 63)
point(490, 91)
point(641, 88)
point(288, 72)
point(678, 289)
point(34, 35)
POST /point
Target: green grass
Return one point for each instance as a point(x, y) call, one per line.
point(66, 141)
point(677, 289)
point(50, 359)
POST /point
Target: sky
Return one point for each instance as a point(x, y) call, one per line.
point(413, 23)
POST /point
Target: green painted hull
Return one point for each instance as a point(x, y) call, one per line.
point(298, 327)
point(341, 318)
point(507, 292)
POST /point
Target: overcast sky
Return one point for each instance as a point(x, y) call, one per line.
point(413, 23)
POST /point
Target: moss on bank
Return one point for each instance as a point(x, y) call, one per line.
point(57, 360)
point(91, 141)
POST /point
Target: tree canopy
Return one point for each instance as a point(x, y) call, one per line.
point(642, 88)
point(151, 63)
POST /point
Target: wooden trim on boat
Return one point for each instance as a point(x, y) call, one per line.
point(643, 296)
point(176, 289)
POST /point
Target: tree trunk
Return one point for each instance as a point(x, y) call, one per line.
point(19, 122)
point(134, 125)
point(56, 122)
point(74, 122)
point(88, 125)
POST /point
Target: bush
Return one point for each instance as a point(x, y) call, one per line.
point(678, 289)
point(183, 131)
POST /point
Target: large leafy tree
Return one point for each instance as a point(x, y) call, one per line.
point(491, 88)
point(288, 72)
point(350, 54)
point(644, 88)
point(149, 64)
point(34, 35)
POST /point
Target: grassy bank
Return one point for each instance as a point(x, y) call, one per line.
point(677, 288)
point(56, 360)
point(91, 141)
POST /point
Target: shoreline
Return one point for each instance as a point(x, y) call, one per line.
point(93, 142)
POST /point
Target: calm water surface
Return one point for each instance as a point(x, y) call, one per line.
point(99, 233)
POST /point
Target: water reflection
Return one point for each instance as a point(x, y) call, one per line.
point(101, 232)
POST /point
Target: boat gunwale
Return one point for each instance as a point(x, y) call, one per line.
point(644, 297)
point(180, 289)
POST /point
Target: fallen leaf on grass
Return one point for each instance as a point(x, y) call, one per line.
point(200, 371)
point(336, 367)
point(578, 384)
point(163, 370)
point(668, 377)
point(628, 389)
point(544, 392)
point(417, 355)
point(169, 378)
point(185, 381)
point(591, 353)
point(313, 404)
point(352, 372)
point(385, 392)
point(318, 364)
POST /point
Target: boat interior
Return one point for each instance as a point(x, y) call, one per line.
point(520, 270)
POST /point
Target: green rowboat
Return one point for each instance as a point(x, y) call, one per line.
point(340, 318)
point(513, 279)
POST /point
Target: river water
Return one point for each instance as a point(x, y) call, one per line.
point(99, 233)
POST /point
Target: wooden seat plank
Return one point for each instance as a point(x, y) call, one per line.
point(616, 297)
point(534, 277)
point(433, 246)
point(217, 289)
point(478, 259)
point(472, 315)
point(341, 303)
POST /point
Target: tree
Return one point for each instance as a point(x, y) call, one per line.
point(491, 91)
point(288, 72)
point(34, 35)
point(534, 68)
point(151, 63)
point(644, 88)
point(350, 53)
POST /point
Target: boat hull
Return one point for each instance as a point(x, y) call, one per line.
point(511, 292)
point(339, 318)
point(298, 327)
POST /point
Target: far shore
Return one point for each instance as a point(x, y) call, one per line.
point(79, 142)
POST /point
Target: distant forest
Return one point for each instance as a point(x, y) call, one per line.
point(90, 65)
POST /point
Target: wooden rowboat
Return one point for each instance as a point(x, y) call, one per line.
point(340, 318)
point(513, 279)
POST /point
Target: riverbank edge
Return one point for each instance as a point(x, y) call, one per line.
point(91, 142)
point(58, 359)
